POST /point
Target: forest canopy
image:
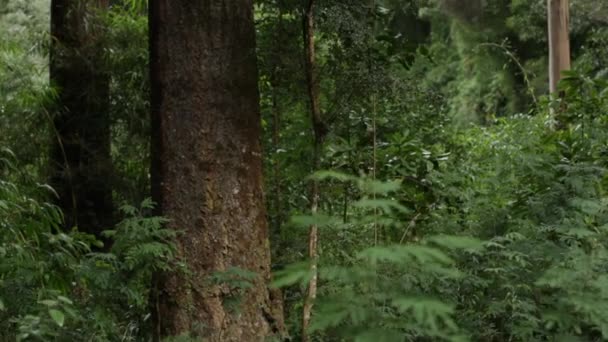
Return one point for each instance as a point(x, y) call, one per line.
point(312, 170)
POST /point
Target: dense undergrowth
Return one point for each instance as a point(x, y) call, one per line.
point(57, 285)
point(510, 247)
point(434, 228)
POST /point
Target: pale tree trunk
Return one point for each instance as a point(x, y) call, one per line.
point(80, 157)
point(319, 132)
point(559, 41)
point(207, 170)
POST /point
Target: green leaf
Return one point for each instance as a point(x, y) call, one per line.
point(403, 255)
point(323, 175)
point(65, 300)
point(385, 205)
point(579, 232)
point(456, 242)
point(429, 312)
point(318, 219)
point(378, 187)
point(57, 316)
point(423, 305)
point(49, 302)
point(292, 274)
point(588, 207)
point(380, 335)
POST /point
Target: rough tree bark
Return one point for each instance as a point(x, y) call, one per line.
point(558, 13)
point(319, 132)
point(207, 169)
point(80, 156)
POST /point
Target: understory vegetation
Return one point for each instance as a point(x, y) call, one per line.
point(458, 200)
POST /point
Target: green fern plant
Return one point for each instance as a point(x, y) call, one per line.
point(383, 292)
point(53, 287)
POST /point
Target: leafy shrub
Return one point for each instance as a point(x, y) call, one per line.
point(381, 293)
point(397, 267)
point(53, 286)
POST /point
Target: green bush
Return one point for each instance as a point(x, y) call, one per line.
point(55, 286)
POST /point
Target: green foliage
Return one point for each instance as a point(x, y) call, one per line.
point(483, 81)
point(537, 196)
point(401, 268)
point(54, 287)
point(491, 232)
point(126, 60)
point(379, 292)
point(24, 90)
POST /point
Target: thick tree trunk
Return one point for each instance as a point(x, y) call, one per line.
point(80, 159)
point(207, 169)
point(559, 41)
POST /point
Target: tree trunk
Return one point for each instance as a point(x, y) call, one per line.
point(276, 165)
point(319, 132)
point(207, 170)
point(275, 83)
point(559, 41)
point(80, 156)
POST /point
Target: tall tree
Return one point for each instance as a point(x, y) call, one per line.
point(276, 73)
point(80, 159)
point(207, 170)
point(558, 13)
point(319, 131)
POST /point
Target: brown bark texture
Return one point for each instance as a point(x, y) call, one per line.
point(207, 170)
point(80, 156)
point(559, 42)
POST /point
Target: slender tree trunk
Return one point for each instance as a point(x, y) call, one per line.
point(275, 81)
point(207, 169)
point(80, 156)
point(559, 41)
point(319, 132)
point(276, 167)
